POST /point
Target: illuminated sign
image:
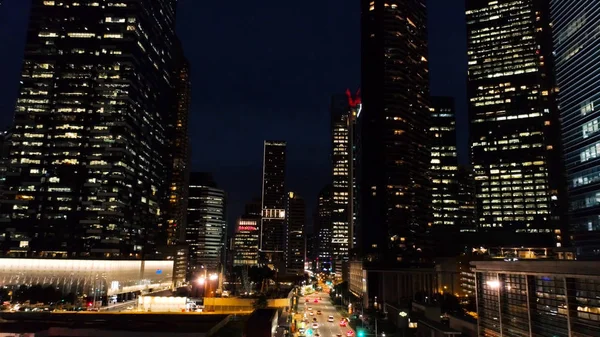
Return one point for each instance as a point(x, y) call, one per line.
point(273, 213)
point(247, 228)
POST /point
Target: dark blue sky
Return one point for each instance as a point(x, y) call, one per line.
point(266, 70)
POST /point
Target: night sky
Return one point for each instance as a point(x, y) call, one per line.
point(266, 70)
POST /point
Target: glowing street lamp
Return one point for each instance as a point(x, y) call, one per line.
point(202, 280)
point(213, 277)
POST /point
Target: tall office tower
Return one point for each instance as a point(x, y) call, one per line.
point(514, 121)
point(444, 162)
point(344, 110)
point(576, 48)
point(245, 242)
point(178, 169)
point(272, 231)
point(324, 228)
point(295, 219)
point(445, 186)
point(206, 228)
point(394, 198)
point(87, 164)
point(466, 201)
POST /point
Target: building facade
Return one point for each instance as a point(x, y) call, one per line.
point(295, 221)
point(179, 153)
point(323, 228)
point(576, 49)
point(444, 163)
point(538, 298)
point(206, 229)
point(87, 164)
point(394, 212)
point(516, 154)
point(245, 241)
point(272, 231)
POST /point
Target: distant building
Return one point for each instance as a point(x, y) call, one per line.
point(272, 231)
point(295, 218)
point(323, 229)
point(206, 226)
point(245, 241)
point(576, 52)
point(344, 111)
point(516, 151)
point(538, 298)
point(466, 201)
point(178, 170)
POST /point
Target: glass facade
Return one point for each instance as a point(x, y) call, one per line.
point(323, 226)
point(245, 242)
point(84, 277)
point(87, 163)
point(272, 232)
point(538, 298)
point(206, 228)
point(516, 154)
point(577, 50)
point(394, 194)
point(295, 218)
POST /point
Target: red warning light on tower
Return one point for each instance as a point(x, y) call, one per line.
point(353, 101)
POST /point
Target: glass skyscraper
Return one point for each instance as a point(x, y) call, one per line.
point(393, 153)
point(87, 164)
point(577, 50)
point(516, 151)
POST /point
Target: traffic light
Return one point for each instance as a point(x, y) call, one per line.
point(360, 333)
point(309, 332)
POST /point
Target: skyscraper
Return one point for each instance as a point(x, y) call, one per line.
point(272, 231)
point(245, 242)
point(576, 48)
point(87, 164)
point(344, 110)
point(444, 163)
point(178, 169)
point(295, 219)
point(323, 227)
point(394, 198)
point(206, 225)
point(514, 120)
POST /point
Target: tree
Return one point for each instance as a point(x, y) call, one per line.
point(261, 302)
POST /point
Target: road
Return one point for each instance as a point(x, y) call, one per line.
point(325, 329)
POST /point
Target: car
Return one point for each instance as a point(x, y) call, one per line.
point(306, 300)
point(301, 331)
point(318, 312)
point(343, 323)
point(309, 308)
point(316, 300)
point(330, 319)
point(338, 335)
point(311, 313)
point(350, 333)
point(315, 325)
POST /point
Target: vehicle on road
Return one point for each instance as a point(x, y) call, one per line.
point(316, 300)
point(314, 319)
point(338, 335)
point(330, 319)
point(343, 323)
point(318, 312)
point(309, 308)
point(311, 313)
point(350, 333)
point(315, 325)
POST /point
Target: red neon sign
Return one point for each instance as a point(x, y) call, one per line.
point(353, 101)
point(246, 228)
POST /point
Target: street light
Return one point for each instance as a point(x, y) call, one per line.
point(202, 280)
point(213, 277)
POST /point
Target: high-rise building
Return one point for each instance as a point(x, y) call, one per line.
point(344, 110)
point(576, 52)
point(516, 153)
point(323, 228)
point(206, 228)
point(272, 231)
point(466, 201)
point(394, 213)
point(444, 163)
point(245, 242)
point(295, 219)
point(88, 166)
point(178, 169)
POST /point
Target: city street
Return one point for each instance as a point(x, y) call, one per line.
point(325, 329)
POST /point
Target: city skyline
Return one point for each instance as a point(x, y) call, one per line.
point(258, 118)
